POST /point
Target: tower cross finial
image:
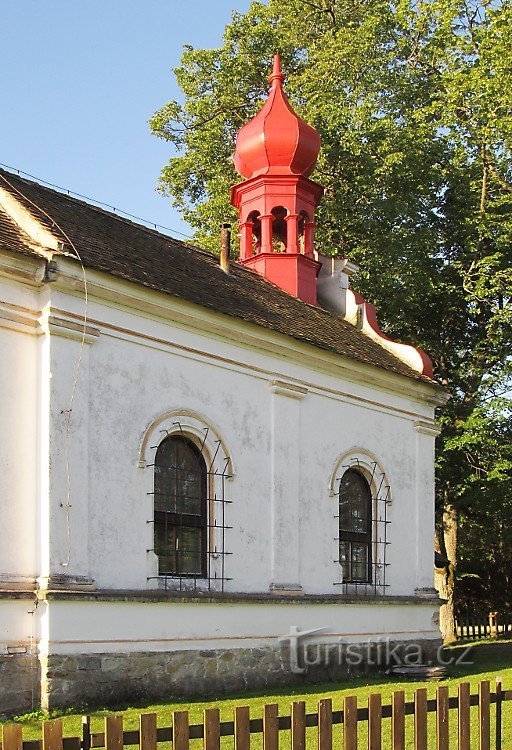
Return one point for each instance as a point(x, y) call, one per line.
point(277, 73)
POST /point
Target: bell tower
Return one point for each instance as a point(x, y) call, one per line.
point(275, 152)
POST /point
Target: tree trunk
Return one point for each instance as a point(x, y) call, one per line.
point(447, 580)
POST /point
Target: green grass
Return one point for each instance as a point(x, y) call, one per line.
point(490, 660)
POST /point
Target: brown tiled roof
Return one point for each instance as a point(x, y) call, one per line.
point(107, 242)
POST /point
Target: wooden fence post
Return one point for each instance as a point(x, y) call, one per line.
point(420, 719)
point(52, 735)
point(12, 738)
point(270, 727)
point(464, 717)
point(375, 722)
point(398, 720)
point(442, 718)
point(325, 724)
point(86, 733)
point(180, 738)
point(147, 732)
point(242, 728)
point(298, 725)
point(350, 723)
point(484, 714)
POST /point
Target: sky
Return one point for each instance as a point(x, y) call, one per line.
point(81, 78)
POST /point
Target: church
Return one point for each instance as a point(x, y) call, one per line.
point(202, 458)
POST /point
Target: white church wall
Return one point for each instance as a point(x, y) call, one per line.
point(142, 365)
point(146, 383)
point(19, 432)
point(19, 626)
point(85, 627)
point(289, 417)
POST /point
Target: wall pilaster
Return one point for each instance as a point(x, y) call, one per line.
point(285, 503)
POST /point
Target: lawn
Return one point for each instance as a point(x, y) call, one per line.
point(489, 661)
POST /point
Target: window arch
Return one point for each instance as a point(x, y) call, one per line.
point(180, 508)
point(355, 527)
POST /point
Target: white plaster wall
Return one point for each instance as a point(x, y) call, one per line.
point(391, 439)
point(19, 389)
point(89, 627)
point(132, 378)
point(284, 446)
point(67, 549)
point(19, 626)
point(143, 384)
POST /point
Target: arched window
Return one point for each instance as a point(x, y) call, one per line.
point(181, 508)
point(355, 527)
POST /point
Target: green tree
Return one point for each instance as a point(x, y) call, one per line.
point(413, 105)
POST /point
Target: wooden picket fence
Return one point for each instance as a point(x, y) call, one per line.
point(469, 626)
point(148, 736)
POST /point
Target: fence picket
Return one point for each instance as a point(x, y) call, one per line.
point(499, 712)
point(325, 724)
point(420, 719)
point(350, 723)
point(113, 733)
point(484, 714)
point(442, 718)
point(242, 728)
point(298, 725)
point(464, 716)
point(12, 737)
point(180, 732)
point(211, 729)
point(147, 732)
point(270, 727)
point(375, 722)
point(52, 734)
point(398, 720)
point(148, 737)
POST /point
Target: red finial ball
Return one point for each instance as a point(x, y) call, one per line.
point(276, 141)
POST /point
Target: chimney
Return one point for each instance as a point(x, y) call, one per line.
point(225, 247)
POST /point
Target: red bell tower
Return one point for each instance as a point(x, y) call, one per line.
point(275, 152)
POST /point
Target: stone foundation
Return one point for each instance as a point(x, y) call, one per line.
point(116, 678)
point(19, 683)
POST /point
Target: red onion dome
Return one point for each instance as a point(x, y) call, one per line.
point(276, 141)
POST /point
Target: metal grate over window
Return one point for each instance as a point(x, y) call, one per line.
point(189, 519)
point(363, 501)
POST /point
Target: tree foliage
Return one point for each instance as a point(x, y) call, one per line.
point(412, 100)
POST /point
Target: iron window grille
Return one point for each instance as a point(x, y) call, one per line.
point(189, 517)
point(363, 501)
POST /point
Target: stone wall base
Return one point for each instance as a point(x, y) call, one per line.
point(19, 683)
point(113, 679)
